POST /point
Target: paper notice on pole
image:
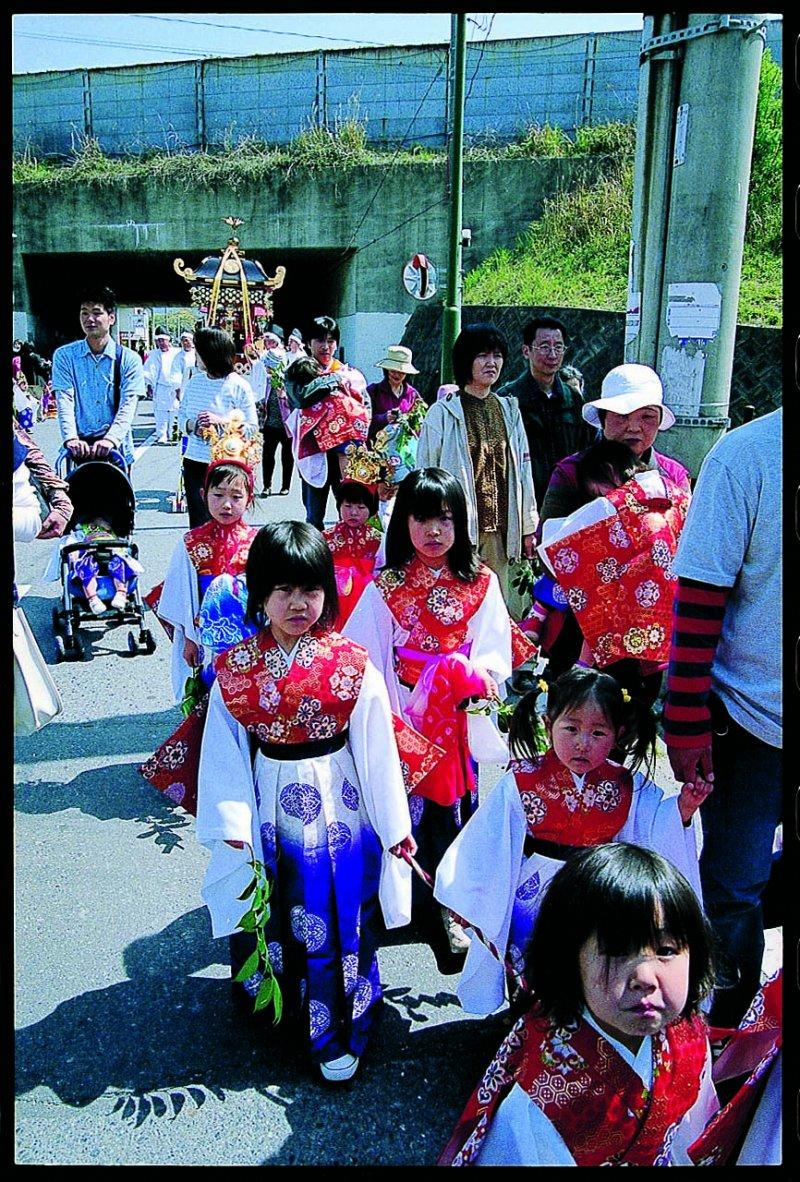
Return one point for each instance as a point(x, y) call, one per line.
point(693, 311)
point(633, 316)
point(682, 379)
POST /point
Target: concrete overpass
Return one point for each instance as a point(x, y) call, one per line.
point(343, 236)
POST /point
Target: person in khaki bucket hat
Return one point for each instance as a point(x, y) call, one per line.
point(394, 393)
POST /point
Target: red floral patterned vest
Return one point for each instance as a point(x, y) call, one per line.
point(434, 609)
point(556, 810)
point(596, 1101)
point(312, 700)
point(216, 549)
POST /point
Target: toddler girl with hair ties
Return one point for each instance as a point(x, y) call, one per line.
point(299, 770)
point(611, 1064)
point(549, 806)
point(435, 624)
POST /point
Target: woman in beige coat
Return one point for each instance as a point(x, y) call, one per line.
point(480, 439)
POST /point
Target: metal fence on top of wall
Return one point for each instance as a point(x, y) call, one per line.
point(399, 92)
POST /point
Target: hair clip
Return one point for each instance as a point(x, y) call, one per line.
point(626, 697)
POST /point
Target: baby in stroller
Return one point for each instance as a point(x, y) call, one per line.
point(110, 584)
point(96, 560)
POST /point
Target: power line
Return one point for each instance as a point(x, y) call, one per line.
point(117, 44)
point(179, 20)
point(387, 169)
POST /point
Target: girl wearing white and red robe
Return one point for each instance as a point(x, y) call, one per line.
point(612, 1064)
point(216, 548)
point(354, 543)
point(548, 806)
point(299, 763)
point(435, 624)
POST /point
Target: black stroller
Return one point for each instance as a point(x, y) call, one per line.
point(99, 487)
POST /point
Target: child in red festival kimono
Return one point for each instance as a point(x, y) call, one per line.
point(548, 806)
point(435, 625)
point(353, 544)
point(333, 411)
point(299, 764)
point(611, 1065)
point(219, 547)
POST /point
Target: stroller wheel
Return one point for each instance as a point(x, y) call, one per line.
point(61, 648)
point(80, 650)
point(56, 620)
point(133, 647)
point(147, 639)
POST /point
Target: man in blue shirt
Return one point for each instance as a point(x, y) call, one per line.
point(96, 404)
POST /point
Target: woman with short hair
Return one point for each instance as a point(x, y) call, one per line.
point(480, 439)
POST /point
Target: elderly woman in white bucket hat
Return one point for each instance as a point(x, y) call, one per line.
point(630, 410)
point(629, 413)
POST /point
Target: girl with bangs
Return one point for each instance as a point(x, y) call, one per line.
point(299, 767)
point(611, 1064)
point(436, 627)
point(584, 790)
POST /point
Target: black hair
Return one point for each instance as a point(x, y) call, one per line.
point(606, 463)
point(292, 553)
point(91, 294)
point(357, 493)
point(322, 326)
point(304, 371)
point(633, 720)
point(532, 327)
point(222, 472)
point(423, 494)
point(472, 340)
point(628, 898)
point(216, 349)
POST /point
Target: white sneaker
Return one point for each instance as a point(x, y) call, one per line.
point(96, 605)
point(457, 938)
point(120, 601)
point(339, 1069)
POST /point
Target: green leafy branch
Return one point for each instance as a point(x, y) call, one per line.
point(193, 692)
point(254, 920)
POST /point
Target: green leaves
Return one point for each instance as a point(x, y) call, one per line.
point(193, 692)
point(258, 891)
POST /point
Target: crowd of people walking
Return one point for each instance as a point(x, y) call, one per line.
point(516, 577)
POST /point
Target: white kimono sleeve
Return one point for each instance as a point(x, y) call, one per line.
point(691, 1126)
point(491, 842)
point(655, 823)
point(372, 625)
point(179, 604)
point(374, 751)
point(313, 468)
point(521, 1135)
point(226, 811)
point(489, 631)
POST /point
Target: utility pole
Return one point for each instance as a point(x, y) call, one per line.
point(451, 311)
point(697, 106)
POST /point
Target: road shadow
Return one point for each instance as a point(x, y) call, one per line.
point(169, 1043)
point(115, 794)
point(96, 738)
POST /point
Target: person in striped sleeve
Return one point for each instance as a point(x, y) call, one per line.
point(723, 709)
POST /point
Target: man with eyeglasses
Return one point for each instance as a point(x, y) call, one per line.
point(550, 409)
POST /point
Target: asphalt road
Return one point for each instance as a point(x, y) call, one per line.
point(128, 1047)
